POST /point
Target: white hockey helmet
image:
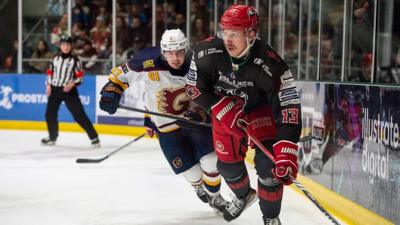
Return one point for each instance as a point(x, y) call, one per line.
point(172, 40)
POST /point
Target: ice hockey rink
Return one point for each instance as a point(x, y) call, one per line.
point(43, 185)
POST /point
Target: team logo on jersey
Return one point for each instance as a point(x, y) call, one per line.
point(177, 162)
point(172, 101)
point(154, 76)
point(258, 61)
point(148, 64)
point(5, 102)
point(201, 54)
point(219, 147)
point(192, 91)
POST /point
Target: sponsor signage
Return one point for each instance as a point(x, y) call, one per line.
point(355, 149)
point(24, 97)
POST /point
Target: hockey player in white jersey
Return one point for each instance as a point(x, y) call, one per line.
point(188, 149)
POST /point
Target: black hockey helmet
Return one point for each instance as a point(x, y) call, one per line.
point(66, 39)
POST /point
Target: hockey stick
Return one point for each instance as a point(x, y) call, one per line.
point(303, 139)
point(297, 183)
point(165, 115)
point(82, 160)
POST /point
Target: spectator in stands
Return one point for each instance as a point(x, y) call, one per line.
point(169, 10)
point(2, 57)
point(291, 42)
point(123, 33)
point(363, 26)
point(89, 58)
point(328, 62)
point(100, 35)
point(135, 11)
point(81, 13)
point(178, 23)
point(78, 30)
point(79, 37)
point(139, 34)
point(362, 32)
point(194, 12)
point(104, 13)
point(364, 73)
point(121, 12)
point(199, 30)
point(41, 53)
point(138, 38)
point(59, 30)
point(161, 25)
point(10, 60)
point(366, 69)
point(9, 65)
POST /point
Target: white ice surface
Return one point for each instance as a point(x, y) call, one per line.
point(42, 185)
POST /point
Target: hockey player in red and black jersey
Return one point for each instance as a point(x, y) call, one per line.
point(237, 77)
point(188, 149)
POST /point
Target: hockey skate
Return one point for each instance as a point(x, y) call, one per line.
point(48, 141)
point(218, 203)
point(202, 194)
point(274, 221)
point(234, 208)
point(95, 142)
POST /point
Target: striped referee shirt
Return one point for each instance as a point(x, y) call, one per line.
point(63, 69)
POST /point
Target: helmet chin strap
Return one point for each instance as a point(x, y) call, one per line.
point(245, 51)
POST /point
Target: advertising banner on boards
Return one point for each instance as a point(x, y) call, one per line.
point(355, 149)
point(23, 97)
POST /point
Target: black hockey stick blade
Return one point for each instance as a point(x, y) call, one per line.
point(82, 160)
point(90, 160)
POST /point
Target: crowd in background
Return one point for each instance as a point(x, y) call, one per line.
point(92, 35)
point(92, 32)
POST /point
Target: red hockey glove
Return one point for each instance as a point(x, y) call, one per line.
point(225, 114)
point(286, 161)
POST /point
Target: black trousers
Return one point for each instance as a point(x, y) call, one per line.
point(73, 104)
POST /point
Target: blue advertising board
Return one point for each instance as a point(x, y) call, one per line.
point(24, 98)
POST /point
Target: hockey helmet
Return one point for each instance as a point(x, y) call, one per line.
point(66, 39)
point(172, 40)
point(239, 17)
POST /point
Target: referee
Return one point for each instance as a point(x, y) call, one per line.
point(63, 75)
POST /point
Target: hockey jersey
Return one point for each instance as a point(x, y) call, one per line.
point(164, 86)
point(261, 78)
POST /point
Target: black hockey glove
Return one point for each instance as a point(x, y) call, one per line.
point(151, 128)
point(196, 114)
point(110, 97)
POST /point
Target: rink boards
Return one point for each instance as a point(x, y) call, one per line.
point(354, 151)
